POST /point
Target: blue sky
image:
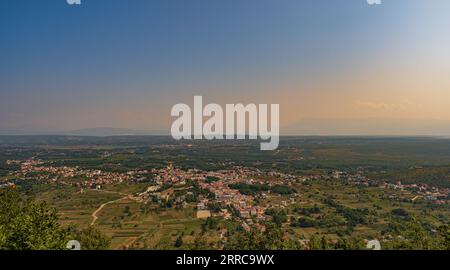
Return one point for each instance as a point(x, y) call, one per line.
point(124, 63)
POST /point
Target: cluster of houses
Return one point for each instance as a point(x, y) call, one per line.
point(243, 204)
point(218, 184)
point(215, 182)
point(36, 169)
point(420, 191)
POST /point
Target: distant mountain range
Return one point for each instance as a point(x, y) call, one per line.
point(100, 132)
point(369, 126)
point(307, 127)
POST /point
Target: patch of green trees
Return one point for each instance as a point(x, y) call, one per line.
point(29, 225)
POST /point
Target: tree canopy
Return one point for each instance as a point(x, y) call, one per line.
point(29, 225)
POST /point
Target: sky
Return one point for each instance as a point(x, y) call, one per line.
point(124, 64)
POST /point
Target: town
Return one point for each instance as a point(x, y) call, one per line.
point(244, 193)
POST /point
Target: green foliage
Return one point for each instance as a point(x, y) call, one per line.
point(308, 211)
point(252, 189)
point(197, 190)
point(234, 212)
point(352, 216)
point(211, 179)
point(413, 235)
point(90, 238)
point(303, 222)
point(444, 232)
point(273, 238)
point(282, 190)
point(400, 212)
point(278, 217)
point(248, 189)
point(215, 207)
point(178, 242)
point(317, 242)
point(210, 224)
point(29, 225)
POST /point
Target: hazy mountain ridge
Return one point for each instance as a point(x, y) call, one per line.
point(97, 132)
point(305, 127)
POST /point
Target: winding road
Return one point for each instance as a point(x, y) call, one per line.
point(95, 213)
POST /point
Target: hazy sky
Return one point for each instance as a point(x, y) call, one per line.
point(121, 63)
